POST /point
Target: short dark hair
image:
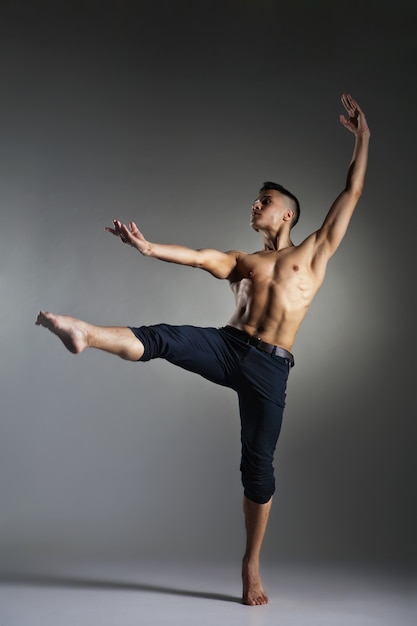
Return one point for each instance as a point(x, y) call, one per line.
point(270, 185)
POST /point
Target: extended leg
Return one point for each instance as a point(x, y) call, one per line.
point(77, 335)
point(256, 520)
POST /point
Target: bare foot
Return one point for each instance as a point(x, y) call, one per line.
point(71, 331)
point(253, 592)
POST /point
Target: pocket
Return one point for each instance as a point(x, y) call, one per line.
point(267, 375)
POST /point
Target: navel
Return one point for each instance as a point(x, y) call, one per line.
point(295, 268)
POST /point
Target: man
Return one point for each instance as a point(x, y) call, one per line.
point(273, 289)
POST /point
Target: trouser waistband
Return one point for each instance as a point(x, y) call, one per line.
point(259, 344)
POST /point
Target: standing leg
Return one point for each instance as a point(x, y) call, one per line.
point(261, 405)
point(77, 335)
point(256, 520)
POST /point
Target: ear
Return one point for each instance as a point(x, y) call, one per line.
point(288, 215)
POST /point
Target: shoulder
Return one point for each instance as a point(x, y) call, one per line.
point(308, 248)
point(236, 256)
point(235, 253)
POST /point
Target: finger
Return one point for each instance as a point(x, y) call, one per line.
point(353, 105)
point(345, 101)
point(134, 229)
point(353, 102)
point(119, 230)
point(125, 231)
point(122, 229)
point(113, 230)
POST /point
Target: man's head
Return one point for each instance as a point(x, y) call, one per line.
point(292, 201)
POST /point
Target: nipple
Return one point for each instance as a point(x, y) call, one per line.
point(295, 268)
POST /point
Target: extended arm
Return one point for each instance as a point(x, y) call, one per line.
point(333, 229)
point(219, 264)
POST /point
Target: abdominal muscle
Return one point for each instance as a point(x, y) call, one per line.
point(278, 330)
point(272, 304)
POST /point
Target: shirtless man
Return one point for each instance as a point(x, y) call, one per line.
point(273, 289)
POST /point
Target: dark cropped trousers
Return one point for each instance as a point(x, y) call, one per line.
point(259, 379)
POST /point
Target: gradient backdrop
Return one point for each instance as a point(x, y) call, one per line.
point(172, 114)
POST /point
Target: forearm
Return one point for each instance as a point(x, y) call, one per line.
point(334, 227)
point(218, 264)
point(172, 253)
point(357, 168)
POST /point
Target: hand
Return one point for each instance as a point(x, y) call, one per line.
point(356, 123)
point(130, 235)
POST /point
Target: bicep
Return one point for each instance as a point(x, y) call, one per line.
point(330, 235)
point(219, 264)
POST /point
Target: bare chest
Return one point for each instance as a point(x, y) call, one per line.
point(272, 267)
point(281, 273)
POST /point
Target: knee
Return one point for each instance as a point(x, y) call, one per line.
point(131, 351)
point(258, 480)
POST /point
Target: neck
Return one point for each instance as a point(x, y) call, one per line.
point(276, 242)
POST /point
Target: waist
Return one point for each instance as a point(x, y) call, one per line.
point(258, 343)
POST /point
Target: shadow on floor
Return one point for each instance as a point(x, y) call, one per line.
point(86, 583)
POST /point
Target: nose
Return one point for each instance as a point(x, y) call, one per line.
point(256, 205)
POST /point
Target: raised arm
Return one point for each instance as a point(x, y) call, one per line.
point(219, 264)
point(334, 227)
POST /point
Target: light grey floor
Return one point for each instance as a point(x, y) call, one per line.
point(169, 594)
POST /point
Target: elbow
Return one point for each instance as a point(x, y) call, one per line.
point(355, 190)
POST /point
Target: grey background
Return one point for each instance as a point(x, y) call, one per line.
point(173, 114)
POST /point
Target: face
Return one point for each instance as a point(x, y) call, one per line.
point(268, 210)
